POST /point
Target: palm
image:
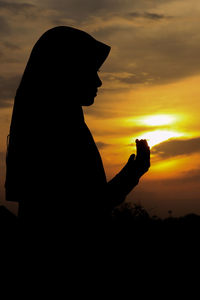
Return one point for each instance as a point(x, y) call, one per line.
point(143, 157)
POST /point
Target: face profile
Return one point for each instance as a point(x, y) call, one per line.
point(63, 64)
point(89, 88)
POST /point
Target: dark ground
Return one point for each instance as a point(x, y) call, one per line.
point(130, 223)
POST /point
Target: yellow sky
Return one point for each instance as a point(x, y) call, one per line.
point(151, 86)
point(156, 113)
point(153, 112)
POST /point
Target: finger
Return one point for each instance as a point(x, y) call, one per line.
point(139, 143)
point(143, 152)
point(142, 142)
point(146, 144)
point(145, 147)
point(132, 157)
point(142, 146)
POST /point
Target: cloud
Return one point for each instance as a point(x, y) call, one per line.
point(16, 20)
point(11, 46)
point(2, 158)
point(124, 77)
point(154, 16)
point(191, 176)
point(83, 9)
point(175, 147)
point(184, 178)
point(101, 145)
point(8, 88)
point(101, 112)
point(150, 44)
point(151, 52)
point(10, 53)
point(147, 15)
point(155, 55)
point(118, 131)
point(16, 8)
point(4, 27)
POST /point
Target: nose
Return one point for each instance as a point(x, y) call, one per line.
point(99, 82)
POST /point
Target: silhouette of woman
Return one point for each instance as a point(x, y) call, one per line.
point(54, 169)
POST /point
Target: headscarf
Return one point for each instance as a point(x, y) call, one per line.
point(58, 60)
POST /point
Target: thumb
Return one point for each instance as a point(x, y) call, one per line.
point(131, 158)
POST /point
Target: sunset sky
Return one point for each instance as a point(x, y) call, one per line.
point(151, 87)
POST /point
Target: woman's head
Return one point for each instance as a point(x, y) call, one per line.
point(64, 64)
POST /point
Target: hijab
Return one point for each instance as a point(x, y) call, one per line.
point(59, 59)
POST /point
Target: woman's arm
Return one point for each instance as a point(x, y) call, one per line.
point(122, 184)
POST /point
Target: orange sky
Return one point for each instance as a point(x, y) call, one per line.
point(151, 87)
point(169, 120)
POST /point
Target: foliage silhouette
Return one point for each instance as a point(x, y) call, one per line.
point(128, 219)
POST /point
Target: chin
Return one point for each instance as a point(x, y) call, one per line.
point(87, 102)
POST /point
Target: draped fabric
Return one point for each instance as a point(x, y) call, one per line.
point(54, 169)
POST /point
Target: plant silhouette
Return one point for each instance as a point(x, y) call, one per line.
point(54, 169)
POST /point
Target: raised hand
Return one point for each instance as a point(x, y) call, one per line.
point(129, 176)
point(138, 165)
point(142, 157)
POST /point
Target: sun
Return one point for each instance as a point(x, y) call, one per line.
point(158, 120)
point(161, 127)
point(159, 136)
point(155, 120)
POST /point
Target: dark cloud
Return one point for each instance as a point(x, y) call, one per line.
point(11, 46)
point(8, 88)
point(129, 78)
point(101, 112)
point(134, 14)
point(15, 7)
point(147, 15)
point(101, 145)
point(154, 16)
point(122, 132)
point(120, 82)
point(152, 52)
point(184, 178)
point(149, 52)
point(2, 157)
point(191, 176)
point(4, 27)
point(159, 57)
point(175, 147)
point(7, 54)
point(82, 10)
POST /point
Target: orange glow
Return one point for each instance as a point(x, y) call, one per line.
point(159, 136)
point(158, 120)
point(168, 114)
